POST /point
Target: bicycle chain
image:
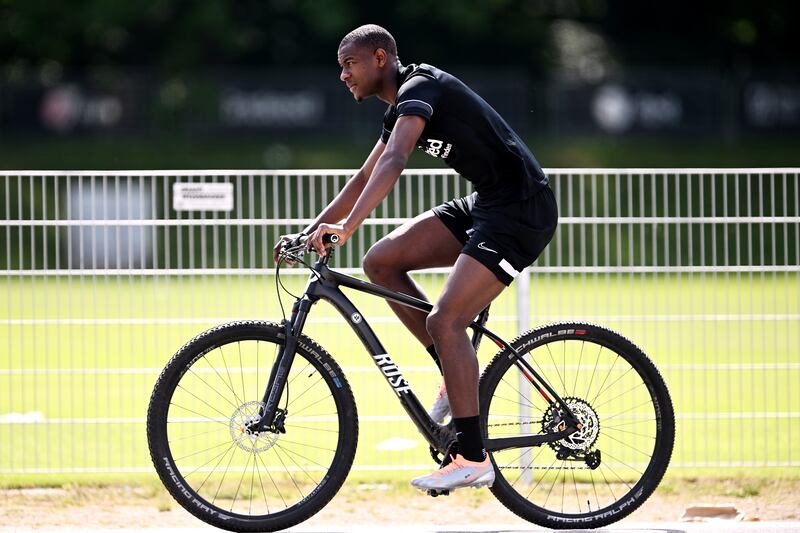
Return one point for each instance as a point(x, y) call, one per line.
point(537, 422)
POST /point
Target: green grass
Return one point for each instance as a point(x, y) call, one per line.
point(702, 352)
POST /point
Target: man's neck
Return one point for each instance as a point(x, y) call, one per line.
point(388, 92)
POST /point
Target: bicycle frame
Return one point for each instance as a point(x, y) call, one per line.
point(324, 284)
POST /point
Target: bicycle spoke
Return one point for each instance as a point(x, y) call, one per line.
point(528, 466)
point(519, 457)
point(303, 394)
point(193, 435)
point(541, 370)
point(580, 358)
point(555, 479)
point(509, 400)
point(604, 379)
point(203, 401)
point(260, 480)
point(277, 489)
point(226, 383)
point(225, 473)
point(622, 463)
point(630, 432)
point(303, 470)
point(195, 374)
point(312, 429)
point(594, 370)
point(611, 385)
point(636, 421)
point(608, 485)
point(252, 481)
point(173, 404)
point(646, 402)
point(637, 450)
point(219, 455)
point(228, 372)
point(638, 385)
point(300, 373)
point(290, 475)
point(556, 367)
point(530, 402)
point(594, 489)
point(222, 458)
point(577, 497)
point(306, 445)
point(241, 369)
point(239, 486)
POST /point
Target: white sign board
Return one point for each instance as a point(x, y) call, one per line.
point(202, 196)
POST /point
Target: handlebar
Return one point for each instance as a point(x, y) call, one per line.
point(299, 246)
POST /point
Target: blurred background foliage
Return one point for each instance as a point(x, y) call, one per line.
point(251, 84)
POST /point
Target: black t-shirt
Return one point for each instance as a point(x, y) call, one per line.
point(467, 133)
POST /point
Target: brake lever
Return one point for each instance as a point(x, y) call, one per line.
point(294, 250)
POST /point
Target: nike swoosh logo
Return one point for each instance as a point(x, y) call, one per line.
point(482, 246)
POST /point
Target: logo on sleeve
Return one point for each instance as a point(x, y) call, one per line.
point(435, 148)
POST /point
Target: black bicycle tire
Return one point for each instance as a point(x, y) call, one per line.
point(185, 495)
point(653, 475)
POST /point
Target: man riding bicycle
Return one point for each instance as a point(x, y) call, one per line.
point(487, 237)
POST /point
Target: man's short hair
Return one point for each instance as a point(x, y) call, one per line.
point(373, 36)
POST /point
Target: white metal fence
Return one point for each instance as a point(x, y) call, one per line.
point(104, 280)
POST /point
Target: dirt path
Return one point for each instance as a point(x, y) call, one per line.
point(145, 506)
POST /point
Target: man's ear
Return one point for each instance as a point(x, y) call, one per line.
point(381, 56)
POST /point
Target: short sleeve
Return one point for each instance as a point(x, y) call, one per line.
point(418, 96)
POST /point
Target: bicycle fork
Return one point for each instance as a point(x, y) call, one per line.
point(272, 417)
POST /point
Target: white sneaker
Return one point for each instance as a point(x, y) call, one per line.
point(441, 406)
point(459, 473)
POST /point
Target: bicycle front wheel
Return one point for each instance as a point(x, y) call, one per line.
point(609, 467)
point(223, 473)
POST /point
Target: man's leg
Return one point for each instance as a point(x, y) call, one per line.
point(424, 242)
point(468, 290)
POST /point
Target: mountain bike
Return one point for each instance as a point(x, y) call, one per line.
point(252, 426)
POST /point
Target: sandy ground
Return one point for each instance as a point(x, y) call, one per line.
point(120, 506)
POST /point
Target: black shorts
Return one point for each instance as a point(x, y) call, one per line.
point(504, 238)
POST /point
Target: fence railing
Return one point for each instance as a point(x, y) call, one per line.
point(105, 279)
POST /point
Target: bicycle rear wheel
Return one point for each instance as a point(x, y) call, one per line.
point(614, 462)
point(228, 476)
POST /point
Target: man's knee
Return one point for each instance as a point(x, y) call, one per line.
point(441, 323)
point(377, 263)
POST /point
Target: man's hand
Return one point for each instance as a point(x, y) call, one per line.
point(315, 238)
point(283, 241)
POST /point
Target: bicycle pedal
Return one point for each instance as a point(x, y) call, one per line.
point(433, 493)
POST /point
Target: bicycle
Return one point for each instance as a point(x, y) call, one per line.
point(245, 454)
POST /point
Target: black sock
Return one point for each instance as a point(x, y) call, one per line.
point(432, 350)
point(470, 443)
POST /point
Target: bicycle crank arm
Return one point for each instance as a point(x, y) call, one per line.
point(525, 441)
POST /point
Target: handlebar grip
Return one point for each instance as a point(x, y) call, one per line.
point(301, 240)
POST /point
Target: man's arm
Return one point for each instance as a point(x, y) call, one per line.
point(344, 201)
point(388, 168)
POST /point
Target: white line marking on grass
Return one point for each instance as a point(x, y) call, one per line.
point(33, 417)
point(396, 444)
